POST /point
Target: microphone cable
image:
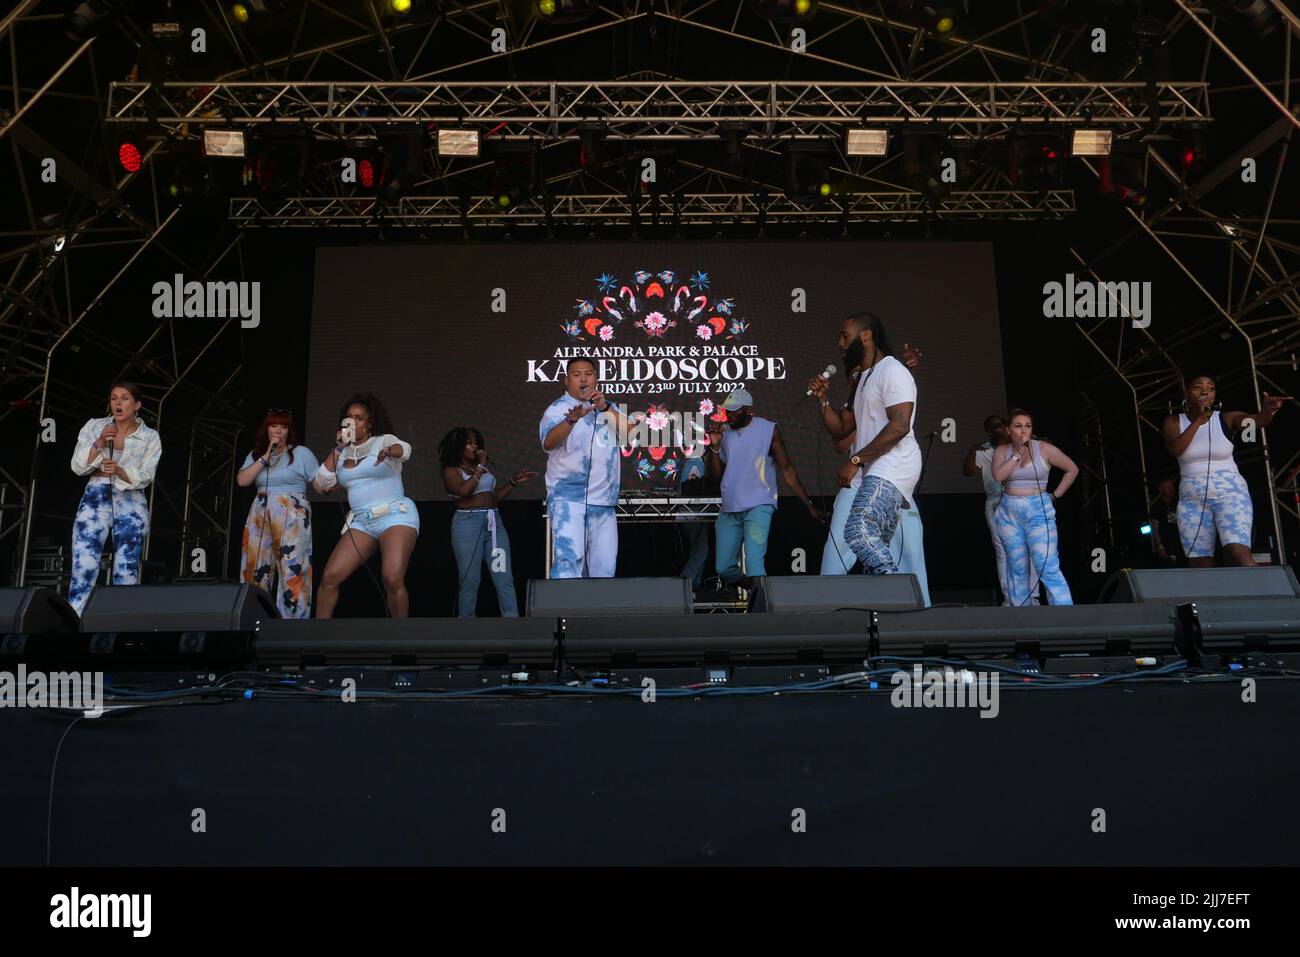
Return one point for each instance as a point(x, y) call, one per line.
point(266, 515)
point(1209, 446)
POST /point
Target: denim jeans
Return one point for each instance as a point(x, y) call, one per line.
point(471, 542)
point(871, 524)
point(749, 527)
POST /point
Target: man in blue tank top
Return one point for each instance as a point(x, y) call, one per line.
point(746, 458)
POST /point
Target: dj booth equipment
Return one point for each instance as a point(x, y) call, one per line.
point(564, 597)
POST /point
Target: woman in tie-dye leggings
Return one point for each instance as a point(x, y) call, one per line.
point(1026, 515)
point(277, 536)
point(1212, 495)
point(120, 454)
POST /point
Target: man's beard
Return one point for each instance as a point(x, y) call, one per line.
point(854, 355)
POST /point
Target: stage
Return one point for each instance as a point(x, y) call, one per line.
point(1185, 772)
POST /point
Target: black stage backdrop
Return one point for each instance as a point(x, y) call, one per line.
point(478, 335)
point(1039, 373)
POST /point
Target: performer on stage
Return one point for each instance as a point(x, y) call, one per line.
point(979, 461)
point(478, 536)
point(579, 432)
point(907, 546)
point(120, 454)
point(1212, 495)
point(367, 461)
point(1026, 513)
point(752, 451)
point(884, 405)
point(277, 534)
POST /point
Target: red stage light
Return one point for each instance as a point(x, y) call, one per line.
point(366, 173)
point(129, 156)
point(1189, 158)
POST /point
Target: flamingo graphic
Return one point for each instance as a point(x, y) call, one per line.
point(618, 316)
point(631, 297)
point(702, 302)
point(677, 299)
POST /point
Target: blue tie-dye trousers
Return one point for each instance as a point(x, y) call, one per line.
point(127, 513)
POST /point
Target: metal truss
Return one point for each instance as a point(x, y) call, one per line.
point(687, 209)
point(663, 110)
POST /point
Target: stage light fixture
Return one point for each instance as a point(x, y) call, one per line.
point(564, 11)
point(254, 12)
point(456, 141)
point(1192, 151)
point(1037, 162)
point(88, 19)
point(403, 163)
point(400, 7)
point(1145, 529)
point(366, 173)
point(223, 143)
point(1123, 176)
point(940, 19)
point(1090, 142)
point(59, 243)
point(786, 11)
point(240, 13)
point(280, 166)
point(859, 142)
point(129, 157)
point(808, 171)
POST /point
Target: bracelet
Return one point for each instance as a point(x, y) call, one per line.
point(264, 462)
point(514, 484)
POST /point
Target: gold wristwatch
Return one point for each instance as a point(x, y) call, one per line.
point(857, 460)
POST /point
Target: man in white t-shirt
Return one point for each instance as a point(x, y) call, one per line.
point(579, 433)
point(884, 405)
point(979, 461)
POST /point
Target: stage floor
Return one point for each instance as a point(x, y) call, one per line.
point(1185, 775)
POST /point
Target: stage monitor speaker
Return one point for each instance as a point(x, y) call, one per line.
point(179, 607)
point(797, 594)
point(35, 611)
point(1174, 585)
point(586, 597)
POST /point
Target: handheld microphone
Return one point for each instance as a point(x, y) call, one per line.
point(825, 374)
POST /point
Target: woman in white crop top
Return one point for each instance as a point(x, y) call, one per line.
point(1026, 512)
point(1212, 495)
point(478, 536)
point(368, 463)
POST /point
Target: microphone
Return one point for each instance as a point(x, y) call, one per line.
point(825, 374)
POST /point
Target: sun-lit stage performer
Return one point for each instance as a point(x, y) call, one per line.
point(277, 535)
point(1212, 494)
point(120, 454)
point(747, 458)
point(580, 433)
point(367, 461)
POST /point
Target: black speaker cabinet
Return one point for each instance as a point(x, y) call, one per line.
point(210, 606)
point(1174, 585)
point(796, 594)
point(35, 611)
point(585, 597)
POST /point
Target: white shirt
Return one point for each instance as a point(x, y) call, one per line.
point(139, 454)
point(582, 468)
point(984, 459)
point(1209, 451)
point(888, 383)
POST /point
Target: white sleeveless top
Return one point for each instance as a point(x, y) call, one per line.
point(486, 483)
point(1209, 451)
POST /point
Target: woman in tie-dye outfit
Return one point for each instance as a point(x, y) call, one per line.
point(1026, 514)
point(277, 535)
point(1212, 495)
point(120, 454)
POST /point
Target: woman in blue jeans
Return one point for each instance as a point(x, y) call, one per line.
point(478, 536)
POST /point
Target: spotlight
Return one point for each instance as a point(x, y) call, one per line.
point(403, 162)
point(564, 11)
point(1123, 176)
point(240, 13)
point(1089, 142)
point(129, 157)
point(193, 184)
point(281, 166)
point(1259, 16)
point(590, 136)
point(223, 142)
point(1037, 162)
point(808, 171)
point(866, 142)
point(786, 11)
point(366, 173)
point(59, 243)
point(1145, 529)
point(931, 164)
point(90, 18)
point(1192, 151)
point(400, 7)
point(256, 12)
point(934, 17)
